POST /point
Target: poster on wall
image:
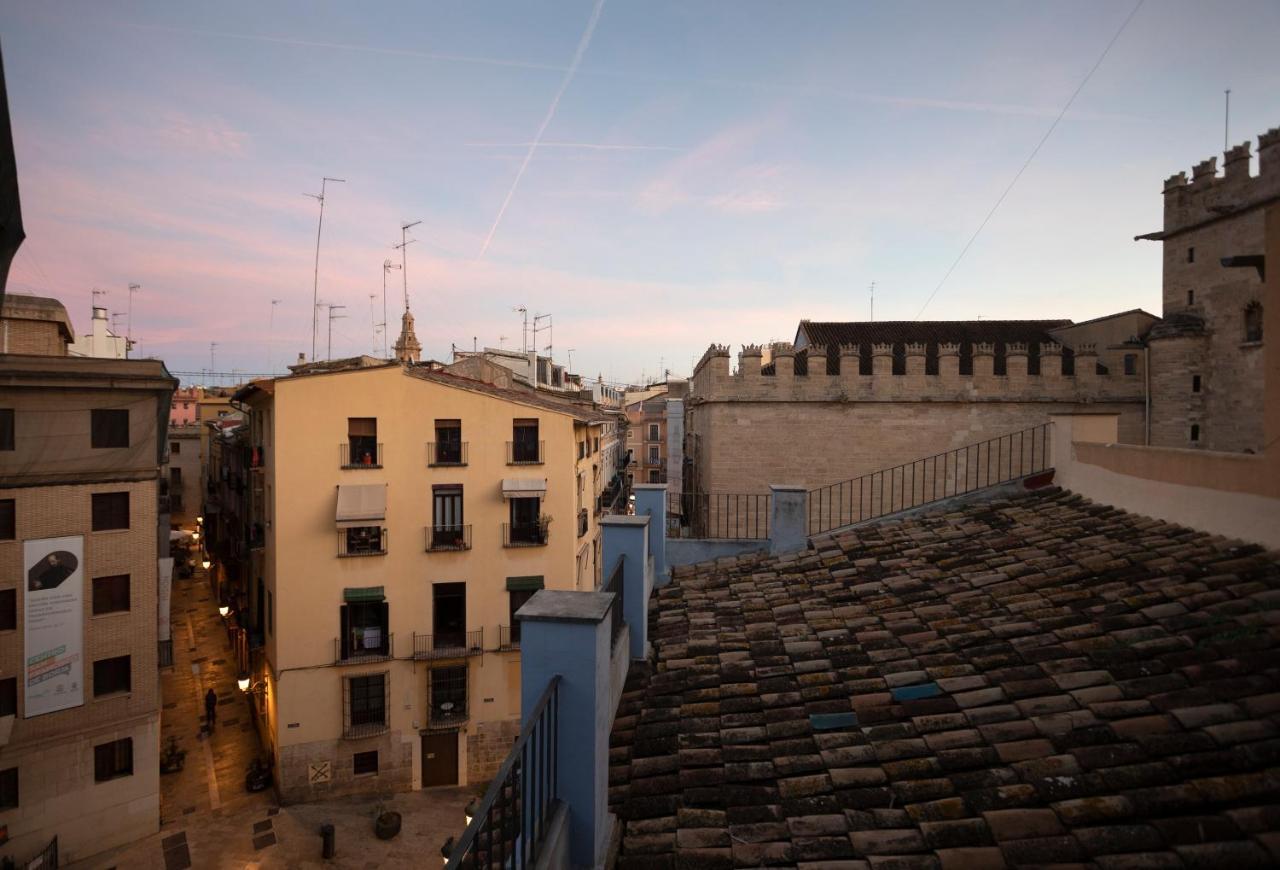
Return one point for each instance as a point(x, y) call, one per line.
point(53, 624)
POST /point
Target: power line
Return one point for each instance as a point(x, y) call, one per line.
point(1030, 157)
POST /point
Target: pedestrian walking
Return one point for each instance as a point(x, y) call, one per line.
point(211, 708)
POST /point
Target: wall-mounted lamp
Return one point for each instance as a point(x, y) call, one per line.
point(223, 611)
point(199, 520)
point(195, 536)
point(206, 564)
point(251, 688)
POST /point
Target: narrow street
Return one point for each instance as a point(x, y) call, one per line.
point(208, 820)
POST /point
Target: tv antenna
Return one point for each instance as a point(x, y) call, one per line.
point(271, 336)
point(96, 294)
point(537, 329)
point(524, 328)
point(387, 266)
point(373, 320)
point(133, 288)
point(501, 340)
point(213, 346)
point(405, 242)
point(315, 284)
point(873, 301)
point(1226, 122)
point(570, 353)
point(332, 318)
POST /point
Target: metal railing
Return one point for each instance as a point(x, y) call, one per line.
point(617, 585)
point(447, 453)
point(450, 645)
point(357, 454)
point(357, 651)
point(508, 638)
point(913, 484)
point(362, 545)
point(582, 522)
point(510, 824)
point(718, 515)
point(448, 538)
point(525, 452)
point(525, 534)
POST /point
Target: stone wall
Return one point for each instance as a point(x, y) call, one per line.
point(395, 768)
point(488, 745)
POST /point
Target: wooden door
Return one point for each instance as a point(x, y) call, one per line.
point(440, 759)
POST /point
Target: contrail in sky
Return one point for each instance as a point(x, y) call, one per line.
point(585, 146)
point(546, 121)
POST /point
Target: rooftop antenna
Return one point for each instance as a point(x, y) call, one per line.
point(475, 343)
point(570, 353)
point(873, 301)
point(315, 284)
point(1226, 122)
point(213, 346)
point(96, 294)
point(134, 288)
point(332, 318)
point(405, 242)
point(537, 329)
point(387, 266)
point(373, 320)
point(501, 341)
point(271, 336)
point(115, 315)
point(524, 329)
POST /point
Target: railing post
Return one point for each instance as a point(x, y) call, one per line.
point(567, 634)
point(788, 519)
point(651, 500)
point(628, 537)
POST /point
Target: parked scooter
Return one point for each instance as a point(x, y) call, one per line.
point(258, 776)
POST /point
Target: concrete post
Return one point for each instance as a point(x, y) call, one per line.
point(789, 519)
point(628, 537)
point(568, 633)
point(651, 500)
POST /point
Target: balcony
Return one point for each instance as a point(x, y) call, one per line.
point(448, 688)
point(525, 534)
point(358, 453)
point(447, 454)
point(525, 452)
point(508, 638)
point(364, 646)
point(582, 522)
point(446, 538)
point(363, 541)
point(453, 645)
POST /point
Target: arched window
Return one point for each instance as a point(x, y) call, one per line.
point(833, 359)
point(1253, 322)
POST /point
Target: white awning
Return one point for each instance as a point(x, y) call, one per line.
point(524, 487)
point(362, 505)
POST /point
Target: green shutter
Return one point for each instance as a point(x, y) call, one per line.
point(524, 584)
point(368, 593)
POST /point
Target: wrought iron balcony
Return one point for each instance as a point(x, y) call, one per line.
point(356, 542)
point(525, 534)
point(361, 649)
point(444, 538)
point(359, 453)
point(525, 452)
point(451, 645)
point(582, 522)
point(508, 638)
point(447, 453)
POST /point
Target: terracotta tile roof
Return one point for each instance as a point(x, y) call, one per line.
point(924, 331)
point(1022, 682)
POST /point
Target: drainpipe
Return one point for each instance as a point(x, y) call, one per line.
point(1146, 394)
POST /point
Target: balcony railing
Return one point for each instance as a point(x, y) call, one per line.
point(718, 515)
point(359, 649)
point(525, 534)
point(448, 692)
point(362, 545)
point(582, 522)
point(360, 454)
point(452, 645)
point(508, 638)
point(372, 718)
point(447, 453)
point(443, 538)
point(525, 452)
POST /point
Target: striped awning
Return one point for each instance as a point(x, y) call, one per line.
point(524, 487)
point(361, 505)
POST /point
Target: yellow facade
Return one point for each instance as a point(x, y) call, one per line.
point(303, 425)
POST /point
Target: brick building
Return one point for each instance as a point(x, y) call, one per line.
point(1206, 355)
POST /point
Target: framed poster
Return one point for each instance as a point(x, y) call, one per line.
point(53, 624)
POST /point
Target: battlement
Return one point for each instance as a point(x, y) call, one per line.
point(842, 374)
point(1209, 195)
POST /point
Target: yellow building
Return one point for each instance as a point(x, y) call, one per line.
point(408, 512)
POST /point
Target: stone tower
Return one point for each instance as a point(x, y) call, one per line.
point(407, 347)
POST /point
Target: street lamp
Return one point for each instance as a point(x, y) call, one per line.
point(199, 520)
point(243, 682)
point(195, 536)
point(223, 611)
point(206, 564)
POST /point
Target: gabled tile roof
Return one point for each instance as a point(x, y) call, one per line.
point(1032, 681)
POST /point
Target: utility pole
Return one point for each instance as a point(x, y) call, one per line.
point(271, 337)
point(1226, 123)
point(387, 266)
point(213, 346)
point(405, 242)
point(332, 317)
point(128, 339)
point(524, 328)
point(315, 285)
point(373, 320)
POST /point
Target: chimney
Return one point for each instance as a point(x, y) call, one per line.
point(302, 359)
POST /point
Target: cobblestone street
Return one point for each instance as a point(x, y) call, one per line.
point(208, 820)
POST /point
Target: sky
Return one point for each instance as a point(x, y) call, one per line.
point(655, 176)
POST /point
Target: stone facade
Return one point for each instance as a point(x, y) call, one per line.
point(1206, 389)
point(766, 424)
point(488, 745)
point(325, 769)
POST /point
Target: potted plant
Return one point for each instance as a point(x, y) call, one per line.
point(544, 523)
point(386, 823)
point(172, 759)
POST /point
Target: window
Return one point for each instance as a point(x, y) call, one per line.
point(597, 444)
point(363, 541)
point(8, 519)
point(362, 441)
point(108, 427)
point(111, 676)
point(113, 760)
point(8, 609)
point(524, 441)
point(175, 479)
point(1253, 322)
point(9, 697)
point(367, 701)
point(1191, 297)
point(1191, 254)
point(448, 695)
point(654, 475)
point(449, 614)
point(1195, 383)
point(653, 454)
point(363, 763)
point(446, 517)
point(8, 788)
point(110, 594)
point(110, 511)
point(364, 629)
point(1130, 363)
point(525, 525)
point(653, 432)
point(175, 447)
point(1195, 431)
point(6, 429)
point(448, 442)
point(517, 598)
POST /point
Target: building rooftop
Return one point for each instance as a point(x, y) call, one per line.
point(1024, 681)
point(18, 306)
point(924, 331)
